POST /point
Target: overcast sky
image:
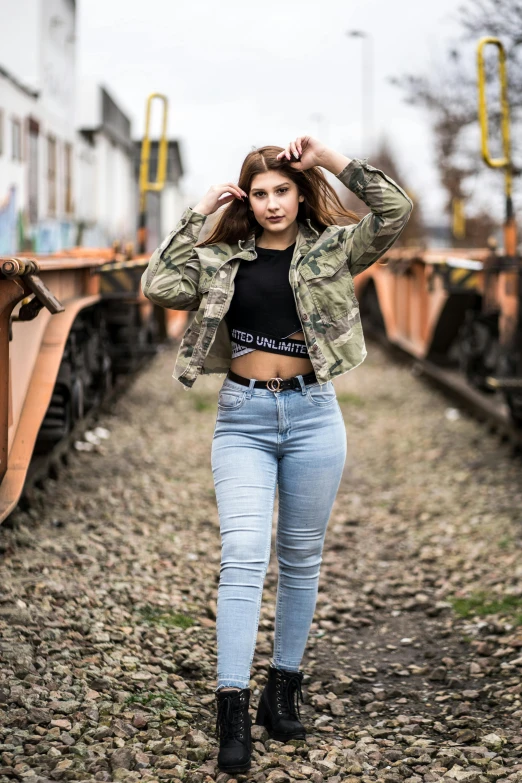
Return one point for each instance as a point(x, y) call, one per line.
point(242, 73)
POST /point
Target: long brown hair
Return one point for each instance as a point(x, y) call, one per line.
point(321, 203)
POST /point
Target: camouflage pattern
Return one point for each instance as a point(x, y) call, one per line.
point(183, 277)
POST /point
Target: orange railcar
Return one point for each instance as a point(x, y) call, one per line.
point(93, 323)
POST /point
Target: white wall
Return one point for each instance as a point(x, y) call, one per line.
point(14, 104)
point(115, 207)
point(88, 109)
point(57, 98)
point(38, 48)
point(20, 39)
point(58, 62)
point(85, 181)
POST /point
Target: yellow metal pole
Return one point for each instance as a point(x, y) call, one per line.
point(459, 220)
point(510, 233)
point(145, 184)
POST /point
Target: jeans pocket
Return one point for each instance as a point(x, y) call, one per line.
point(230, 399)
point(321, 395)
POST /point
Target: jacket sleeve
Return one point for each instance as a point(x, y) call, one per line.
point(172, 275)
point(365, 242)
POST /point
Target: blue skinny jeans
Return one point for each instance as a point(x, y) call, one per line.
point(294, 441)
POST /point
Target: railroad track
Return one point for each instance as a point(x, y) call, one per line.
point(491, 410)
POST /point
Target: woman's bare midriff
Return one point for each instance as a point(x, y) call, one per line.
point(263, 365)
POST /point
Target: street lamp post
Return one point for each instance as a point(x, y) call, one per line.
point(367, 89)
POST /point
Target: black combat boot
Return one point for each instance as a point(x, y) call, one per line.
point(278, 709)
point(233, 728)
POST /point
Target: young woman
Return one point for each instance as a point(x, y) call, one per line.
point(276, 310)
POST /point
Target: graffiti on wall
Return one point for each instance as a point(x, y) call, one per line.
point(52, 235)
point(47, 236)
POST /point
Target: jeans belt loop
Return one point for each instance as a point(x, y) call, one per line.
point(249, 392)
point(302, 384)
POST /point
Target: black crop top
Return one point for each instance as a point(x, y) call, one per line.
point(263, 312)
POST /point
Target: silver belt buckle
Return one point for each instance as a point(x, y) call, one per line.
point(274, 384)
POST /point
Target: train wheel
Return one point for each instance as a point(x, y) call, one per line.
point(477, 349)
point(133, 336)
point(99, 361)
point(84, 378)
point(57, 421)
point(78, 399)
point(510, 366)
point(105, 375)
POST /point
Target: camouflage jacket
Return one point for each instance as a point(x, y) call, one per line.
point(183, 277)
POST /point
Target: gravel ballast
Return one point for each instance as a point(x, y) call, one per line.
point(108, 587)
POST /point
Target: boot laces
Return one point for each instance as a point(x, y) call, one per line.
point(229, 720)
point(291, 687)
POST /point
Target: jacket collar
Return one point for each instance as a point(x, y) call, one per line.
point(306, 236)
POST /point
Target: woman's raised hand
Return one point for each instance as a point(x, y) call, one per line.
point(214, 198)
point(310, 150)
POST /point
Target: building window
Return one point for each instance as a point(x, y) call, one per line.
point(16, 139)
point(68, 178)
point(51, 175)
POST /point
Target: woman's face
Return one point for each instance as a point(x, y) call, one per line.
point(273, 195)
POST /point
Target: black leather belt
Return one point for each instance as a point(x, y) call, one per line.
point(275, 384)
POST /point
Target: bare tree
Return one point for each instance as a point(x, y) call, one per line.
point(503, 19)
point(450, 96)
point(383, 159)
